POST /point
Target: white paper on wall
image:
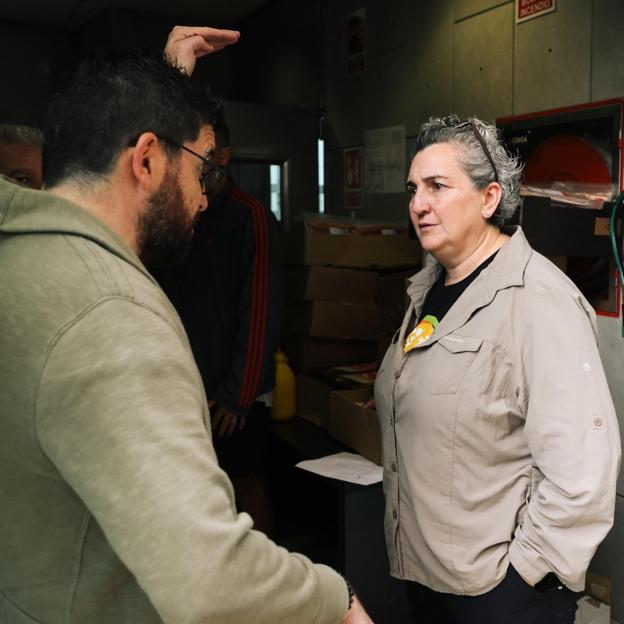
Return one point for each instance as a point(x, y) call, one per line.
point(384, 160)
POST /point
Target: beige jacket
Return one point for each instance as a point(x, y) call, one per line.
point(500, 438)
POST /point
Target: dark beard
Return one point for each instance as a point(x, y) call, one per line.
point(164, 230)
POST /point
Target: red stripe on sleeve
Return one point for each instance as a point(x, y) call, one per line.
point(259, 301)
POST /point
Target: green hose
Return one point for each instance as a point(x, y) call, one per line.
point(614, 247)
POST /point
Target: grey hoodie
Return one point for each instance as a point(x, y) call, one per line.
point(114, 509)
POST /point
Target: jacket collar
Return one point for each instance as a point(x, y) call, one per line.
point(25, 211)
point(505, 271)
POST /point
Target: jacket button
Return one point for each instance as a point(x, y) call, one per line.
point(597, 421)
point(395, 515)
point(397, 374)
point(393, 466)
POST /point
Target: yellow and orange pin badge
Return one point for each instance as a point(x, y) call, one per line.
point(421, 332)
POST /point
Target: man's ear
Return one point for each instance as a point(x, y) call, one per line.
point(148, 162)
point(491, 199)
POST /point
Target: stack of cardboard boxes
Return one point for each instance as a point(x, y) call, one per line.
point(331, 316)
point(336, 316)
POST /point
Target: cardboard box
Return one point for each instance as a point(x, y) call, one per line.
point(354, 425)
point(307, 354)
point(352, 375)
point(331, 319)
point(313, 400)
point(308, 245)
point(322, 283)
point(598, 587)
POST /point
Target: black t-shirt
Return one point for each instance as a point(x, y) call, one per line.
point(441, 298)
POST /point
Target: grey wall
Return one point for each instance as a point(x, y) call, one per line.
point(277, 93)
point(285, 134)
point(434, 57)
point(35, 60)
point(121, 29)
point(277, 57)
point(32, 62)
point(271, 77)
point(609, 560)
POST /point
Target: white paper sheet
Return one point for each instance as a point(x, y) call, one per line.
point(384, 160)
point(345, 467)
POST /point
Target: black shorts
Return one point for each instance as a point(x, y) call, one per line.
point(245, 451)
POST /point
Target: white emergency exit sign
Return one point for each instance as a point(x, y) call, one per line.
point(528, 9)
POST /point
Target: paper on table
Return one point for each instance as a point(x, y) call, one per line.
point(346, 467)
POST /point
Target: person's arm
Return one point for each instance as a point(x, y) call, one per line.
point(186, 44)
point(121, 413)
point(573, 437)
point(259, 313)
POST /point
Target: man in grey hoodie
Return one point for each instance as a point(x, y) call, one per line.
point(114, 507)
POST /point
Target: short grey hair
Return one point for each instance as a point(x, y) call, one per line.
point(474, 160)
point(14, 134)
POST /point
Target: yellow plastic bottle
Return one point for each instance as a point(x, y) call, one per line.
point(284, 400)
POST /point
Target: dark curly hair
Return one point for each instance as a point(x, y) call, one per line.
point(109, 102)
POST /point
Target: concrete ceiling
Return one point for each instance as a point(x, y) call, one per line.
point(73, 13)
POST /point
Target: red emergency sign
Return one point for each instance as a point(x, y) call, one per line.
point(528, 9)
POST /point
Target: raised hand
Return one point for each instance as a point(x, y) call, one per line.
point(186, 44)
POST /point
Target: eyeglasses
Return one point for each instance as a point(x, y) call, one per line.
point(449, 122)
point(211, 174)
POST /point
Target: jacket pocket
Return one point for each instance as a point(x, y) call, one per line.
point(448, 362)
point(10, 614)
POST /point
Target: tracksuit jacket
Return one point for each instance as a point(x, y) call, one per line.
point(229, 294)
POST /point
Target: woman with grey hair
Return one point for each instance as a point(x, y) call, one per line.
point(500, 441)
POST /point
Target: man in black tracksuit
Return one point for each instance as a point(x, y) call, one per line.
point(229, 295)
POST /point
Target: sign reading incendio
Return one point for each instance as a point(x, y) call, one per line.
point(528, 9)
